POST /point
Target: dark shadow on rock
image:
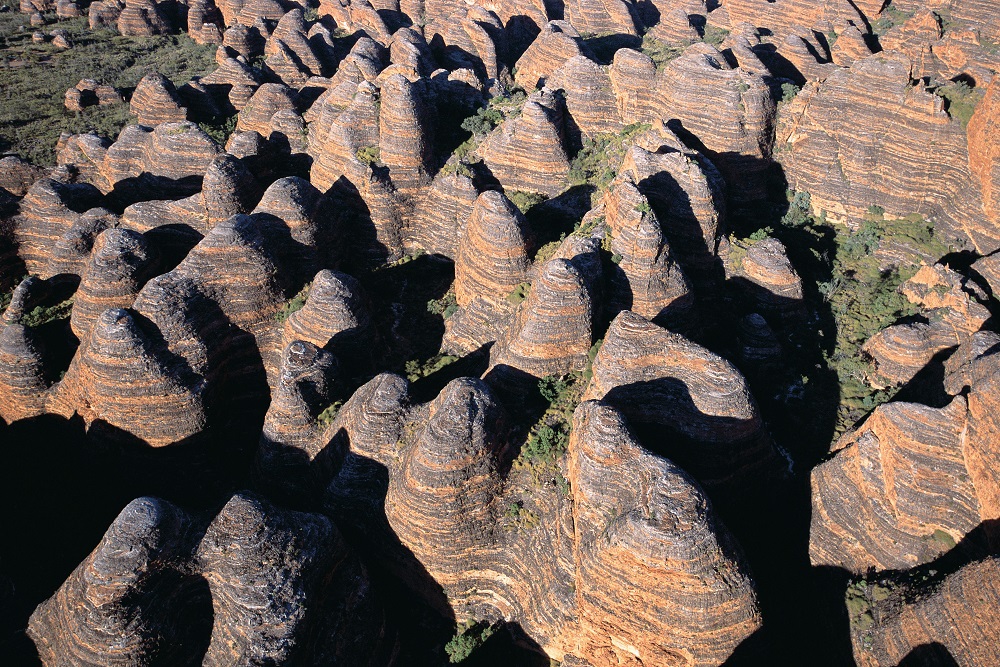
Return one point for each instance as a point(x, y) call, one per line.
point(602, 49)
point(929, 655)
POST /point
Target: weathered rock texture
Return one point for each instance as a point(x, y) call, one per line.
point(662, 379)
point(163, 584)
point(847, 171)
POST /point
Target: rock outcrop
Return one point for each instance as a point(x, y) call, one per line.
point(658, 378)
point(155, 101)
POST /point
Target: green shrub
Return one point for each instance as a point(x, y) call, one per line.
point(220, 129)
point(445, 306)
point(789, 91)
point(293, 304)
point(520, 293)
point(598, 161)
point(714, 36)
point(326, 417)
point(643, 207)
point(416, 370)
point(369, 155)
point(41, 315)
point(524, 200)
point(661, 52)
point(469, 636)
point(961, 100)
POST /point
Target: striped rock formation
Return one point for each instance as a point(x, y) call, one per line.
point(984, 148)
point(143, 18)
point(48, 210)
point(17, 175)
point(952, 315)
point(406, 142)
point(119, 266)
point(155, 101)
point(955, 623)
point(557, 44)
point(469, 37)
point(812, 136)
point(257, 114)
point(492, 261)
point(648, 280)
point(164, 585)
point(22, 373)
point(441, 214)
point(527, 152)
point(663, 380)
point(336, 317)
point(642, 520)
point(762, 271)
point(124, 378)
point(601, 17)
point(686, 192)
point(552, 329)
point(442, 465)
point(898, 492)
point(735, 129)
point(590, 98)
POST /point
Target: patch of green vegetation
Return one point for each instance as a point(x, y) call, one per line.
point(549, 437)
point(591, 355)
point(458, 166)
point(293, 304)
point(643, 207)
point(469, 636)
point(598, 161)
point(942, 539)
point(369, 155)
point(961, 100)
point(311, 14)
point(714, 35)
point(520, 293)
point(585, 228)
point(329, 413)
point(889, 17)
point(445, 306)
point(661, 52)
point(220, 128)
point(499, 109)
point(34, 79)
point(525, 201)
point(789, 91)
point(416, 370)
point(41, 315)
point(546, 252)
point(8, 294)
point(521, 518)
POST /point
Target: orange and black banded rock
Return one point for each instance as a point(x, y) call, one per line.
point(492, 260)
point(409, 49)
point(896, 483)
point(590, 98)
point(602, 17)
point(88, 93)
point(269, 99)
point(289, 37)
point(293, 461)
point(849, 47)
point(22, 373)
point(450, 478)
point(234, 82)
point(557, 43)
point(688, 195)
point(17, 175)
point(228, 189)
point(143, 18)
point(759, 346)
point(799, 17)
point(119, 266)
point(469, 37)
point(664, 380)
point(553, 327)
point(293, 204)
point(406, 142)
point(335, 316)
point(847, 171)
point(256, 585)
point(441, 214)
point(124, 378)
point(762, 271)
point(126, 603)
point(984, 148)
point(204, 22)
point(674, 27)
point(170, 158)
point(659, 580)
point(955, 623)
point(104, 14)
point(647, 280)
point(155, 101)
point(339, 137)
point(527, 152)
point(987, 272)
point(244, 40)
point(961, 367)
point(47, 212)
point(73, 248)
point(900, 351)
